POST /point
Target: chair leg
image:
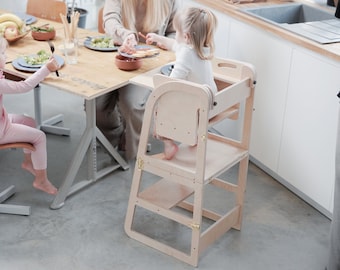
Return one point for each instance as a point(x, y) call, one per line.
point(9, 208)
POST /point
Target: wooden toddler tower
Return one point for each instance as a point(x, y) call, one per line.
point(173, 192)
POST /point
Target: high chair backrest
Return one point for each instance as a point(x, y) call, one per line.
point(180, 109)
point(46, 9)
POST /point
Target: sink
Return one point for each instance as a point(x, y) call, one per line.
point(289, 13)
point(302, 19)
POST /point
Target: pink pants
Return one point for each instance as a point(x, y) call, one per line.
point(23, 129)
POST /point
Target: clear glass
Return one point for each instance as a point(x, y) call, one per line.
point(71, 50)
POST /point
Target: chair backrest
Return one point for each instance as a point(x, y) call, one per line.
point(180, 107)
point(100, 21)
point(46, 9)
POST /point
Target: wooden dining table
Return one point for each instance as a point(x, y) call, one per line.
point(94, 75)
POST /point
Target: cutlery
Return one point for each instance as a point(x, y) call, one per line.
point(142, 35)
point(52, 50)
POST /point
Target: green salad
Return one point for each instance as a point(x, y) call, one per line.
point(37, 59)
point(102, 42)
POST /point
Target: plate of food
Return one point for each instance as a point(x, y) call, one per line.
point(100, 43)
point(33, 62)
point(142, 51)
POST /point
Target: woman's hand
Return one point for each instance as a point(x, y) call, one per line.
point(129, 44)
point(52, 64)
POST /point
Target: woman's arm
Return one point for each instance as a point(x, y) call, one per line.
point(113, 24)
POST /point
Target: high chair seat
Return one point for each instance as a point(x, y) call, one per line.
point(169, 206)
point(10, 191)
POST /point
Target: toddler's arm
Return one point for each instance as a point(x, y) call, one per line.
point(161, 41)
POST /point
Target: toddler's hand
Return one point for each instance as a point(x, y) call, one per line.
point(52, 64)
point(153, 38)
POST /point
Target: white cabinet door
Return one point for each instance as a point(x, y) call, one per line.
point(310, 125)
point(271, 57)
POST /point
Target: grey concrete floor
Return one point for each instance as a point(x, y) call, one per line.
point(280, 231)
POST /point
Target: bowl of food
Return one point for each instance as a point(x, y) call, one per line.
point(43, 33)
point(127, 63)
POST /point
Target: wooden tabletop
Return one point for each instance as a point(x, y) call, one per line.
point(95, 73)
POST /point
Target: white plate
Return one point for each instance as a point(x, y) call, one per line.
point(88, 44)
point(34, 68)
point(22, 62)
point(28, 19)
point(141, 48)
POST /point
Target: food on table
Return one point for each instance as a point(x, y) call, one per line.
point(37, 59)
point(44, 32)
point(11, 26)
point(102, 42)
point(145, 52)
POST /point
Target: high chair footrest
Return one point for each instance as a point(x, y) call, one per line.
point(166, 194)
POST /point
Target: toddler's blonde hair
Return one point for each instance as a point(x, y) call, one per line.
point(200, 25)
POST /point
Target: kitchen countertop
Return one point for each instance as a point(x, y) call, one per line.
point(331, 51)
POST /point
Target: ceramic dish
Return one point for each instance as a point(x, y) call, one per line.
point(43, 35)
point(88, 44)
point(33, 68)
point(28, 19)
point(127, 63)
point(142, 51)
point(11, 40)
point(166, 70)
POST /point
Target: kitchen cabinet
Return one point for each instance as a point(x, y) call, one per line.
point(295, 108)
point(310, 126)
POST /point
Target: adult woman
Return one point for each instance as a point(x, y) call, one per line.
point(123, 20)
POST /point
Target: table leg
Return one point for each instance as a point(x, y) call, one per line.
point(48, 125)
point(87, 147)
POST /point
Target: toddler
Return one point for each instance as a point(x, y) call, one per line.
point(194, 48)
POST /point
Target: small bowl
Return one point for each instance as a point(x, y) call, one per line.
point(43, 34)
point(20, 36)
point(127, 64)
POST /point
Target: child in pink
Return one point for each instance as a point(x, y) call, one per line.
point(20, 128)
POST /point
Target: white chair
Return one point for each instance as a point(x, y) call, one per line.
point(173, 192)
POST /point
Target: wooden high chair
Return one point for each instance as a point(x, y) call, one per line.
point(170, 206)
point(8, 192)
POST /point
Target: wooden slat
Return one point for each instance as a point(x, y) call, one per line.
point(166, 194)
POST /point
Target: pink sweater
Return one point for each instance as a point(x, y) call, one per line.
point(12, 87)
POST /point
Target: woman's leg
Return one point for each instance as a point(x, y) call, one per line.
point(21, 130)
point(132, 100)
point(108, 117)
